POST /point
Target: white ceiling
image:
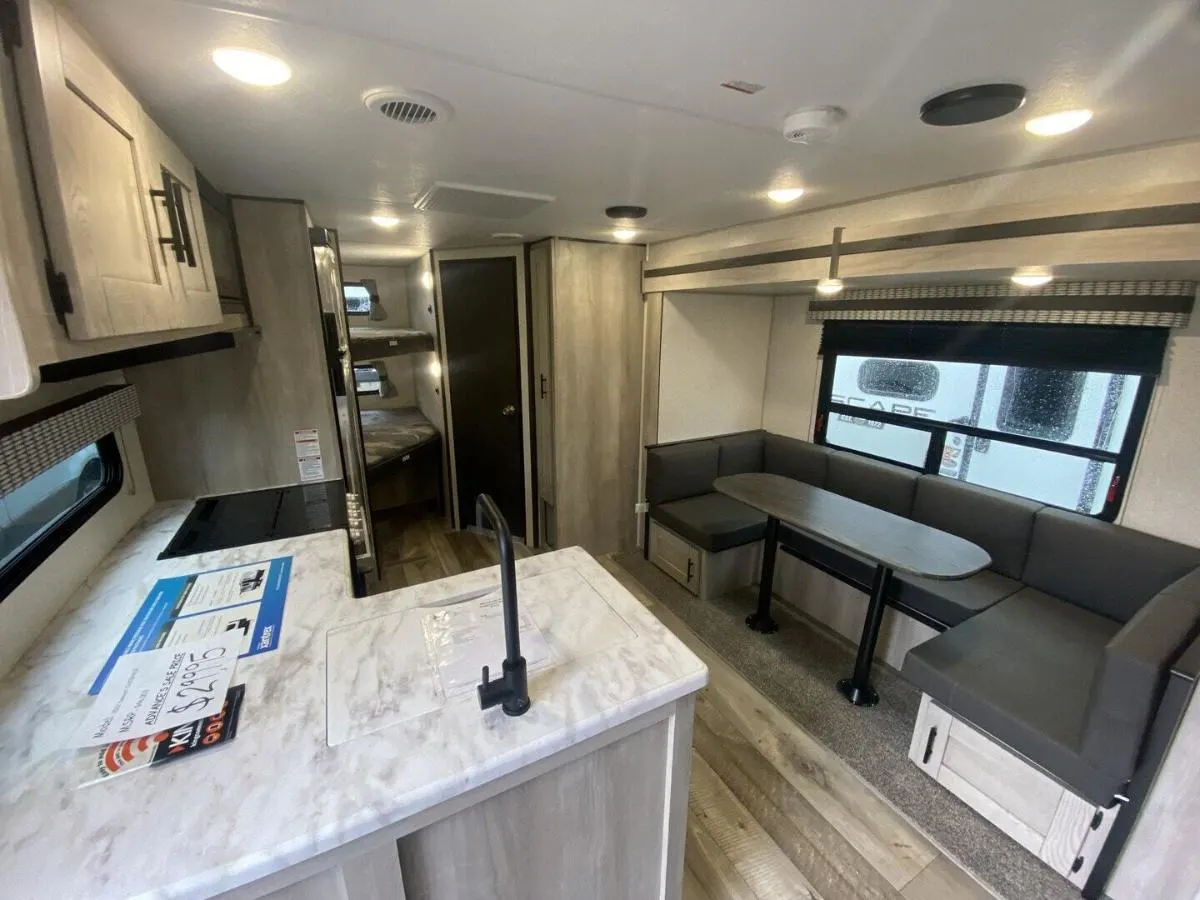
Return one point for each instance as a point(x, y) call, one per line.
point(597, 103)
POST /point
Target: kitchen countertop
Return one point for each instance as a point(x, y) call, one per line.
point(278, 795)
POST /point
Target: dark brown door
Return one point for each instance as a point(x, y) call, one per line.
point(479, 305)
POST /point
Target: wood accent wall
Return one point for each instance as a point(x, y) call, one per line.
point(597, 322)
point(223, 422)
point(1162, 176)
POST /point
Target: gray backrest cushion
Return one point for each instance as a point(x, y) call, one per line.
point(869, 481)
point(1127, 687)
point(999, 523)
point(740, 453)
point(1110, 570)
point(680, 470)
point(792, 458)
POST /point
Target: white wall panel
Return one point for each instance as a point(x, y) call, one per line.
point(793, 371)
point(714, 364)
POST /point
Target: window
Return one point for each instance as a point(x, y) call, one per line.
point(37, 516)
point(368, 380)
point(1063, 436)
point(358, 299)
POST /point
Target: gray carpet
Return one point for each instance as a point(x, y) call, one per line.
point(797, 669)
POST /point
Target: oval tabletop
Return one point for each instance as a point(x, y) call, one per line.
point(894, 541)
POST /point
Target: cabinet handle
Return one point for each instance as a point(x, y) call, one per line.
point(690, 564)
point(543, 386)
point(185, 232)
point(929, 746)
point(170, 199)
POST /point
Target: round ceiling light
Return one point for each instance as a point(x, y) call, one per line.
point(624, 234)
point(251, 66)
point(1032, 277)
point(967, 106)
point(626, 212)
point(1059, 122)
point(386, 221)
point(507, 236)
point(785, 195)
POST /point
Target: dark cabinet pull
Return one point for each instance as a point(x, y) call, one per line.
point(690, 564)
point(929, 746)
point(185, 231)
point(169, 198)
point(543, 386)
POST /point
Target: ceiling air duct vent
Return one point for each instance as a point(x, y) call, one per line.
point(407, 107)
point(473, 200)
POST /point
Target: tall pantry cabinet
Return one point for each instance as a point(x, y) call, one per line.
point(586, 323)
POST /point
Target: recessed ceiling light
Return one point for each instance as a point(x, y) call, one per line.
point(830, 287)
point(1059, 122)
point(1032, 278)
point(251, 66)
point(385, 221)
point(626, 211)
point(507, 236)
point(785, 195)
point(624, 234)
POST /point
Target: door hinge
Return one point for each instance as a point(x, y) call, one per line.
point(10, 26)
point(1077, 865)
point(60, 293)
point(1097, 820)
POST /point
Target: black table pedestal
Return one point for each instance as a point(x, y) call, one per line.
point(760, 620)
point(857, 689)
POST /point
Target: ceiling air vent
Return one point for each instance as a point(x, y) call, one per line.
point(473, 200)
point(408, 107)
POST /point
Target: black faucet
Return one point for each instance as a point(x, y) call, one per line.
point(512, 689)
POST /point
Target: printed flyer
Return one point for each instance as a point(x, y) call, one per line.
point(246, 599)
point(180, 742)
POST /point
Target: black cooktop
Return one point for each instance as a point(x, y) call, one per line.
point(234, 520)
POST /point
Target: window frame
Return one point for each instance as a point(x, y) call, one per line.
point(21, 566)
point(938, 429)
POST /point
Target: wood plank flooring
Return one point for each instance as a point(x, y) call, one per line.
point(773, 814)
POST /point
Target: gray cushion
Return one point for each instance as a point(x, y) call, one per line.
point(740, 453)
point(1133, 672)
point(952, 602)
point(1110, 570)
point(999, 523)
point(1022, 671)
point(712, 522)
point(869, 481)
point(791, 458)
point(680, 470)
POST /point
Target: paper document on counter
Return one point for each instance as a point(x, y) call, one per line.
point(466, 638)
point(160, 689)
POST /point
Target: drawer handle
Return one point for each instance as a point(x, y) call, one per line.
point(690, 565)
point(929, 746)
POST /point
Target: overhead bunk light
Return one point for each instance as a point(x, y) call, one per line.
point(832, 285)
point(1032, 277)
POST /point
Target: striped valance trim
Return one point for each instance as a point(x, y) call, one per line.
point(32, 444)
point(1163, 304)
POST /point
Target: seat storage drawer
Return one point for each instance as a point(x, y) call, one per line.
point(1061, 829)
point(675, 556)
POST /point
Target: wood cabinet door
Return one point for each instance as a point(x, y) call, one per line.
point(193, 282)
point(87, 138)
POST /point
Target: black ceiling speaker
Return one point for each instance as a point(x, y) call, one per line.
point(626, 212)
point(980, 103)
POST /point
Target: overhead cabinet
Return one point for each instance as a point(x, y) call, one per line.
point(119, 200)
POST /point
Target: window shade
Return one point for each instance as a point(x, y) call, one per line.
point(31, 444)
point(1120, 350)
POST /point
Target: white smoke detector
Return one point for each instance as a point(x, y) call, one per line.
point(813, 126)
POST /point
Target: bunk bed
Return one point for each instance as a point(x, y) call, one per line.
point(370, 343)
point(403, 452)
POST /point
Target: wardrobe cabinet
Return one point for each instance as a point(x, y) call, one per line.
point(587, 357)
point(119, 200)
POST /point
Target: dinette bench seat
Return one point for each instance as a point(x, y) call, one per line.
point(1058, 651)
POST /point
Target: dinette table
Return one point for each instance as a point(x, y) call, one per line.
point(892, 542)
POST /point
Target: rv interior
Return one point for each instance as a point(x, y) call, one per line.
point(599, 451)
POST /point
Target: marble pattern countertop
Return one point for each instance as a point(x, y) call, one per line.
point(279, 795)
